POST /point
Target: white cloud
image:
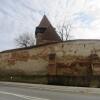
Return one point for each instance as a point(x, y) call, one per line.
point(19, 16)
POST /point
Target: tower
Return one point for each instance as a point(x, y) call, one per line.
point(45, 33)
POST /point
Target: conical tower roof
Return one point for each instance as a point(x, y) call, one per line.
point(44, 22)
point(48, 31)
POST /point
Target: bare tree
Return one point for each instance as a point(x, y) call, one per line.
point(64, 31)
point(25, 40)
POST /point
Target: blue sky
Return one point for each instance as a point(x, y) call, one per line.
point(20, 16)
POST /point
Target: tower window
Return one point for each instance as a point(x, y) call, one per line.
point(40, 30)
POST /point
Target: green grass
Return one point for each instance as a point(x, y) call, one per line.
point(25, 79)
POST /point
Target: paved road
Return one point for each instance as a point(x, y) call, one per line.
point(26, 93)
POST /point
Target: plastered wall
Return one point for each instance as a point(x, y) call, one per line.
point(34, 61)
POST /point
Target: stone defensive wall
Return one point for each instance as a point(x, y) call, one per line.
point(72, 58)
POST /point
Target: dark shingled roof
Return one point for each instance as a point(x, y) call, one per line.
point(49, 33)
